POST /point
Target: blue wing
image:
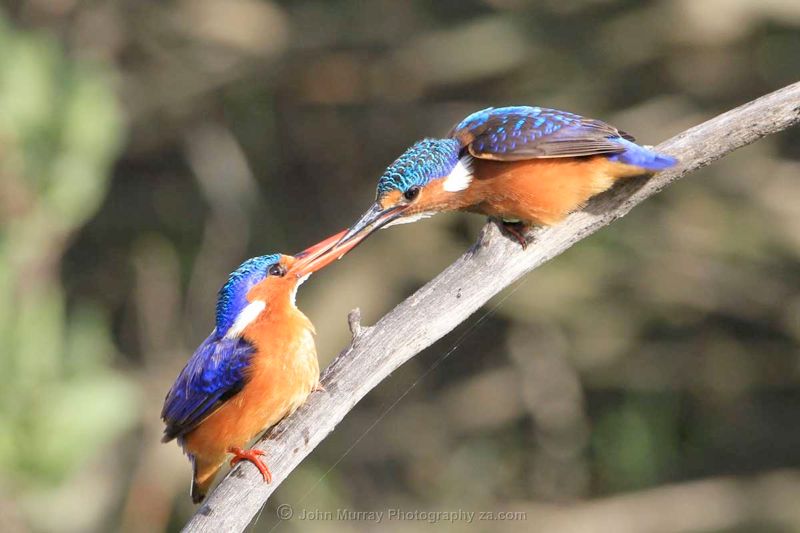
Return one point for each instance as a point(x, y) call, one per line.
point(214, 373)
point(522, 132)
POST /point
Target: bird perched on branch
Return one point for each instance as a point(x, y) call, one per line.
point(523, 165)
point(258, 365)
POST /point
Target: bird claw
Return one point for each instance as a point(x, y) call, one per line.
point(318, 388)
point(251, 456)
point(517, 231)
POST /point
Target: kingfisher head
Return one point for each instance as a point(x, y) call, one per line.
point(232, 300)
point(271, 280)
point(421, 182)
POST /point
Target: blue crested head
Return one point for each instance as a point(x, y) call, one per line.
point(424, 161)
point(233, 295)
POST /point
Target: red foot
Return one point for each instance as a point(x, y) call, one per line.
point(318, 388)
point(517, 230)
point(252, 456)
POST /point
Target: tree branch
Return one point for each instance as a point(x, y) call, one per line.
point(493, 263)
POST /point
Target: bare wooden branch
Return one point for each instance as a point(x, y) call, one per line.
point(490, 265)
point(712, 504)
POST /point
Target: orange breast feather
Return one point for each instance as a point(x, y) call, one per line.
point(540, 191)
point(282, 373)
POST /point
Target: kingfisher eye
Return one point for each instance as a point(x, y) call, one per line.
point(277, 270)
point(411, 193)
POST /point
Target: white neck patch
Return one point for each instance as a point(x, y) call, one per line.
point(293, 296)
point(461, 176)
point(245, 317)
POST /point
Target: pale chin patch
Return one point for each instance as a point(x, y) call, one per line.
point(245, 317)
point(460, 177)
point(409, 219)
point(293, 295)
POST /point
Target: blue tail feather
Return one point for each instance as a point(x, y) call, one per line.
point(640, 156)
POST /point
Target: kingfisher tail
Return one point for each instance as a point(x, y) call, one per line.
point(202, 478)
point(640, 156)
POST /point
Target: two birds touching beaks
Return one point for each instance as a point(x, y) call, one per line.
point(523, 165)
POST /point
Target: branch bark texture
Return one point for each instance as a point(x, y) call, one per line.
point(490, 265)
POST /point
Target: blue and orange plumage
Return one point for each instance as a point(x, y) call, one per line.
point(257, 366)
point(520, 164)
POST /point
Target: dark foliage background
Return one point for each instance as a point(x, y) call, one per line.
point(647, 380)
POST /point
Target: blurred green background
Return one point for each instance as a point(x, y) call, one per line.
point(646, 380)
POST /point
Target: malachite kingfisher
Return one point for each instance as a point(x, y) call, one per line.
point(523, 165)
point(256, 367)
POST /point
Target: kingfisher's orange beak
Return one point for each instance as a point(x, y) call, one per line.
point(322, 254)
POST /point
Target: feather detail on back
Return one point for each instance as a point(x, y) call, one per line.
point(522, 132)
point(214, 373)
